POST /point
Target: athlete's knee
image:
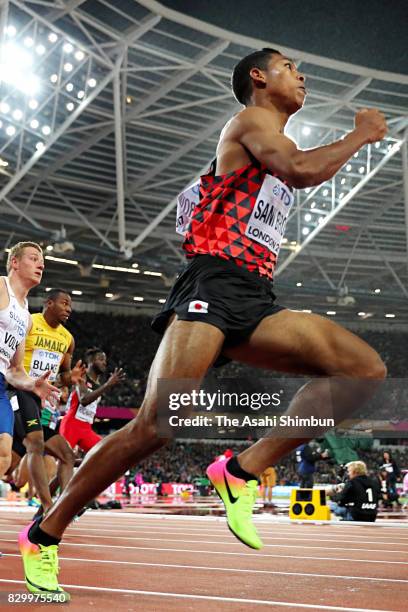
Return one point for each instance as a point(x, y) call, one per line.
point(34, 446)
point(369, 365)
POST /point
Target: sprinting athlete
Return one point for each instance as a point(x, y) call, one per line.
point(49, 348)
point(223, 304)
point(25, 265)
point(76, 425)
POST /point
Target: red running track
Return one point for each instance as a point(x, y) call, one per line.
point(172, 563)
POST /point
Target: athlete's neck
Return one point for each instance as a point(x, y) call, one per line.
point(50, 319)
point(19, 288)
point(280, 115)
point(94, 376)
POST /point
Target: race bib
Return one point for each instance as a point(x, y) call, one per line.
point(44, 361)
point(87, 413)
point(270, 214)
point(186, 202)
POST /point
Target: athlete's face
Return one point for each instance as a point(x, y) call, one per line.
point(29, 266)
point(100, 363)
point(60, 307)
point(284, 84)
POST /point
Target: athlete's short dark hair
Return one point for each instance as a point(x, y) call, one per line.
point(241, 81)
point(54, 293)
point(91, 353)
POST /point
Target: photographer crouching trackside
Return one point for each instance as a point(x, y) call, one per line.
point(356, 499)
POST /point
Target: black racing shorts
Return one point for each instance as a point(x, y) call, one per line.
point(217, 291)
point(27, 419)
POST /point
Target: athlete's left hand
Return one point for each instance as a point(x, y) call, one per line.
point(45, 390)
point(78, 373)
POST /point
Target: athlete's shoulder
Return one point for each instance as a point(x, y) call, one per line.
point(37, 318)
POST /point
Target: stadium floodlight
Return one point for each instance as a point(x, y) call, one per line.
point(16, 69)
point(325, 192)
point(17, 114)
point(10, 130)
point(33, 104)
point(46, 130)
point(34, 124)
point(40, 49)
point(28, 42)
point(69, 87)
point(305, 231)
point(68, 67)
point(308, 217)
point(70, 106)
point(92, 82)
point(11, 31)
point(52, 37)
point(40, 146)
point(361, 170)
point(54, 78)
point(68, 48)
point(79, 55)
point(80, 94)
point(348, 167)
point(343, 180)
point(4, 108)
point(306, 130)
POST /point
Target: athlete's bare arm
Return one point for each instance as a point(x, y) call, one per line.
point(67, 375)
point(86, 397)
point(255, 129)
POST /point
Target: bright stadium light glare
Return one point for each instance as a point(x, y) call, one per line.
point(4, 108)
point(80, 94)
point(33, 104)
point(343, 180)
point(361, 170)
point(54, 78)
point(10, 130)
point(306, 130)
point(52, 37)
point(92, 82)
point(377, 145)
point(325, 192)
point(308, 217)
point(69, 87)
point(40, 49)
point(68, 67)
point(348, 167)
point(305, 231)
point(17, 114)
point(40, 146)
point(11, 31)
point(68, 48)
point(28, 42)
point(46, 130)
point(79, 55)
point(70, 106)
point(16, 69)
point(34, 124)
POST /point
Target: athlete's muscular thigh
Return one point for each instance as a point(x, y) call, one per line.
point(307, 344)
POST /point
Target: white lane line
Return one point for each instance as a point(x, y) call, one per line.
point(227, 543)
point(73, 529)
point(263, 602)
point(240, 554)
point(224, 569)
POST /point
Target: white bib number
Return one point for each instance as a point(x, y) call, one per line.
point(270, 214)
point(87, 413)
point(186, 202)
point(44, 361)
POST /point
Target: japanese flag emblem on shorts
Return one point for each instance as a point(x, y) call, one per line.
point(198, 307)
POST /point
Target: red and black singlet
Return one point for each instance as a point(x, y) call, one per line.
point(240, 215)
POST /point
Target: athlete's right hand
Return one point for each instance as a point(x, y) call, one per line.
point(117, 377)
point(371, 122)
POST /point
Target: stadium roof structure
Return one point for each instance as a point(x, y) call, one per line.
point(109, 108)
